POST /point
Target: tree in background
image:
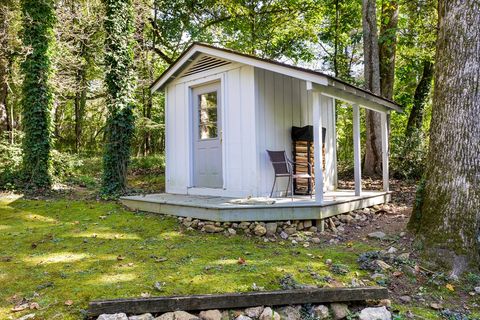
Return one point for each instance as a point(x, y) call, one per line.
point(415, 119)
point(8, 51)
point(78, 59)
point(340, 36)
point(37, 98)
point(446, 215)
point(388, 46)
point(119, 82)
point(269, 29)
point(373, 160)
point(417, 29)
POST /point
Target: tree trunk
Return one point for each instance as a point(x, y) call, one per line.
point(335, 45)
point(372, 162)
point(4, 112)
point(415, 119)
point(148, 115)
point(387, 47)
point(80, 103)
point(446, 215)
point(37, 96)
point(120, 126)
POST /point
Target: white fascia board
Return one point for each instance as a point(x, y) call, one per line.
point(351, 97)
point(165, 77)
point(286, 70)
point(360, 93)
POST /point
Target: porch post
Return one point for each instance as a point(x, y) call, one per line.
point(317, 140)
point(356, 150)
point(385, 151)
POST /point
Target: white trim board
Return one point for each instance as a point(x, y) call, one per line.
point(335, 87)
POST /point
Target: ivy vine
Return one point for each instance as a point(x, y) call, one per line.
point(118, 26)
point(37, 101)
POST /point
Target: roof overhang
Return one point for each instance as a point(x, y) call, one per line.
point(354, 95)
point(327, 85)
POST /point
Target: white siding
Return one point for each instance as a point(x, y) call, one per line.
point(239, 133)
point(283, 102)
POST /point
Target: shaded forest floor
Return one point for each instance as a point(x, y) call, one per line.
point(60, 251)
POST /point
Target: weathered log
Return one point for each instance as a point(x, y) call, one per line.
point(235, 300)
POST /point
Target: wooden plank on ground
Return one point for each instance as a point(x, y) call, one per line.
point(235, 300)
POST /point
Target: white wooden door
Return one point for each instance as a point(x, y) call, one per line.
point(207, 137)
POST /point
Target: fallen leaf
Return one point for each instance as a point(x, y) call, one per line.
point(160, 259)
point(145, 295)
point(34, 305)
point(159, 285)
point(68, 302)
point(397, 274)
point(20, 307)
point(450, 287)
point(435, 306)
point(120, 258)
point(241, 261)
point(130, 264)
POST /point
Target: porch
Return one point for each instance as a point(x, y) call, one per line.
point(228, 209)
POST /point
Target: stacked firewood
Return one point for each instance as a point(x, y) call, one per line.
point(303, 154)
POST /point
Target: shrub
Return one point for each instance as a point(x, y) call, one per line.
point(408, 158)
point(10, 164)
point(64, 166)
point(151, 163)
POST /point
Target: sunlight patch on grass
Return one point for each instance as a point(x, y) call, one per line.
point(107, 235)
point(5, 311)
point(10, 198)
point(286, 269)
point(226, 262)
point(4, 227)
point(106, 257)
point(37, 217)
point(58, 257)
point(171, 234)
point(114, 278)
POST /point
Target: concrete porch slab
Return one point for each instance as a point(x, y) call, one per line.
point(221, 209)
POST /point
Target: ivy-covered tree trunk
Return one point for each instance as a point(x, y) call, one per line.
point(415, 119)
point(119, 81)
point(38, 23)
point(446, 215)
point(373, 159)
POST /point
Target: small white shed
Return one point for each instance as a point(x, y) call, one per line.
point(224, 109)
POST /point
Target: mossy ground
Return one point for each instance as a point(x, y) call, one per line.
point(69, 250)
point(80, 250)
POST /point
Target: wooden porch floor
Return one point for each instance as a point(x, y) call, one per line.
point(222, 209)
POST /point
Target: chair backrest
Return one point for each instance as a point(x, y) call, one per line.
point(279, 161)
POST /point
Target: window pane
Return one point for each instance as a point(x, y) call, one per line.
point(207, 115)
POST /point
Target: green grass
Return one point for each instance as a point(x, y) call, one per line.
point(75, 245)
point(69, 250)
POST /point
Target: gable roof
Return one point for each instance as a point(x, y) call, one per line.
point(327, 84)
